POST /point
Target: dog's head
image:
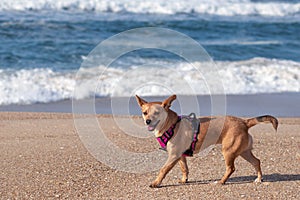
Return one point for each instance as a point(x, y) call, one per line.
point(155, 113)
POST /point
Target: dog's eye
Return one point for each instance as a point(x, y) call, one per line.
point(145, 113)
point(156, 113)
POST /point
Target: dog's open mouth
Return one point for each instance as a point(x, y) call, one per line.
point(152, 127)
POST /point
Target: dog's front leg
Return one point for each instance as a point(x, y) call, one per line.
point(164, 170)
point(184, 169)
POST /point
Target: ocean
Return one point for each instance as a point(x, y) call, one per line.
point(254, 43)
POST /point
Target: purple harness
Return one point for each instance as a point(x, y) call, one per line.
point(163, 140)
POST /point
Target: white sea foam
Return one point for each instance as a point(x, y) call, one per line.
point(210, 7)
point(258, 75)
point(32, 86)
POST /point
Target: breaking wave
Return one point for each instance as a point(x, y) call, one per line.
point(257, 75)
point(170, 7)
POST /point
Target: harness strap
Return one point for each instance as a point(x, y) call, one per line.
point(196, 126)
point(163, 140)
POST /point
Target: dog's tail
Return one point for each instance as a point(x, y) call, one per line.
point(266, 119)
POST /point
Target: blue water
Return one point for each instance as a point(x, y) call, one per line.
point(59, 40)
point(56, 39)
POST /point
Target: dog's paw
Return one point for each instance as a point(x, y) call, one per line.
point(154, 185)
point(183, 181)
point(218, 183)
point(258, 180)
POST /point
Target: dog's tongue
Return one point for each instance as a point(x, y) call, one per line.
point(150, 128)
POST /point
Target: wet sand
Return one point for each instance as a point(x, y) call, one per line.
point(279, 105)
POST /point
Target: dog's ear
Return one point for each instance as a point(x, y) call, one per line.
point(167, 102)
point(140, 101)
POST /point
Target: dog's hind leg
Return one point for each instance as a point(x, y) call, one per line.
point(184, 169)
point(247, 155)
point(229, 161)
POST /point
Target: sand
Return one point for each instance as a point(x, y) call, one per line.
point(42, 157)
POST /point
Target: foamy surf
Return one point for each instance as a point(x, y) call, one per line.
point(258, 75)
point(207, 7)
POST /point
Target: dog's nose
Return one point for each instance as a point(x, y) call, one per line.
point(148, 121)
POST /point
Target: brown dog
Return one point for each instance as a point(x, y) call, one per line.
point(231, 132)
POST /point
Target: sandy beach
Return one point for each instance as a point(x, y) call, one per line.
point(42, 157)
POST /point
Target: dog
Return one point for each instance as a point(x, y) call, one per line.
point(231, 132)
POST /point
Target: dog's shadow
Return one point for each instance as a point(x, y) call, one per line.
point(245, 179)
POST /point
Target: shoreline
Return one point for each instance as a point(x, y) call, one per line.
point(277, 104)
